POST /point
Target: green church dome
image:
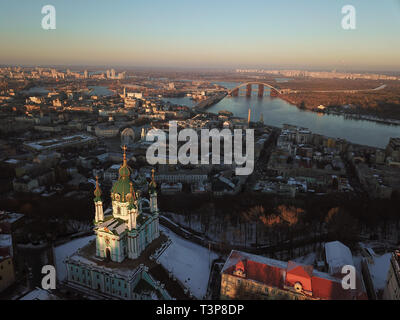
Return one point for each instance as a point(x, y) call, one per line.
point(124, 172)
point(121, 188)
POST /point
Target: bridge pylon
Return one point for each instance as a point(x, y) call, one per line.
point(248, 90)
point(261, 90)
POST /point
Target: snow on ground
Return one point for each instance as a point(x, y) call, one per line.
point(189, 262)
point(66, 250)
point(379, 270)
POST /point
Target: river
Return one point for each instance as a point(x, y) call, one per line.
point(277, 112)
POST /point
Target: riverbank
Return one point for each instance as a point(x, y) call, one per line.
point(357, 116)
point(346, 115)
point(209, 102)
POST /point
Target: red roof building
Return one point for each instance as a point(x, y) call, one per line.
point(265, 278)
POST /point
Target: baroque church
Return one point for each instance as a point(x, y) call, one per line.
point(128, 231)
point(108, 266)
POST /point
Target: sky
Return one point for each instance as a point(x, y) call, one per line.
point(203, 33)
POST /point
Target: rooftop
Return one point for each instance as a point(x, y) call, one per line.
point(42, 145)
point(284, 275)
point(337, 256)
point(378, 268)
point(5, 240)
point(128, 268)
point(10, 217)
point(87, 255)
point(39, 294)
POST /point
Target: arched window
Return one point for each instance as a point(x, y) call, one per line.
point(119, 210)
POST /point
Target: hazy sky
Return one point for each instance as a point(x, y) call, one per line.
point(203, 33)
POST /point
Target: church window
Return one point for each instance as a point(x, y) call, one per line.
point(119, 210)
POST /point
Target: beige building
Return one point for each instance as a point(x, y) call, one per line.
point(7, 276)
point(392, 289)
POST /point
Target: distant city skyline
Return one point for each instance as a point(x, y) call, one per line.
point(203, 34)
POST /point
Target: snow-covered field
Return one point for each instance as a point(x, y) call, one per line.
point(189, 262)
point(66, 250)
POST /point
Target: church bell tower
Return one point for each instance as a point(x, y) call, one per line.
point(153, 194)
point(98, 203)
